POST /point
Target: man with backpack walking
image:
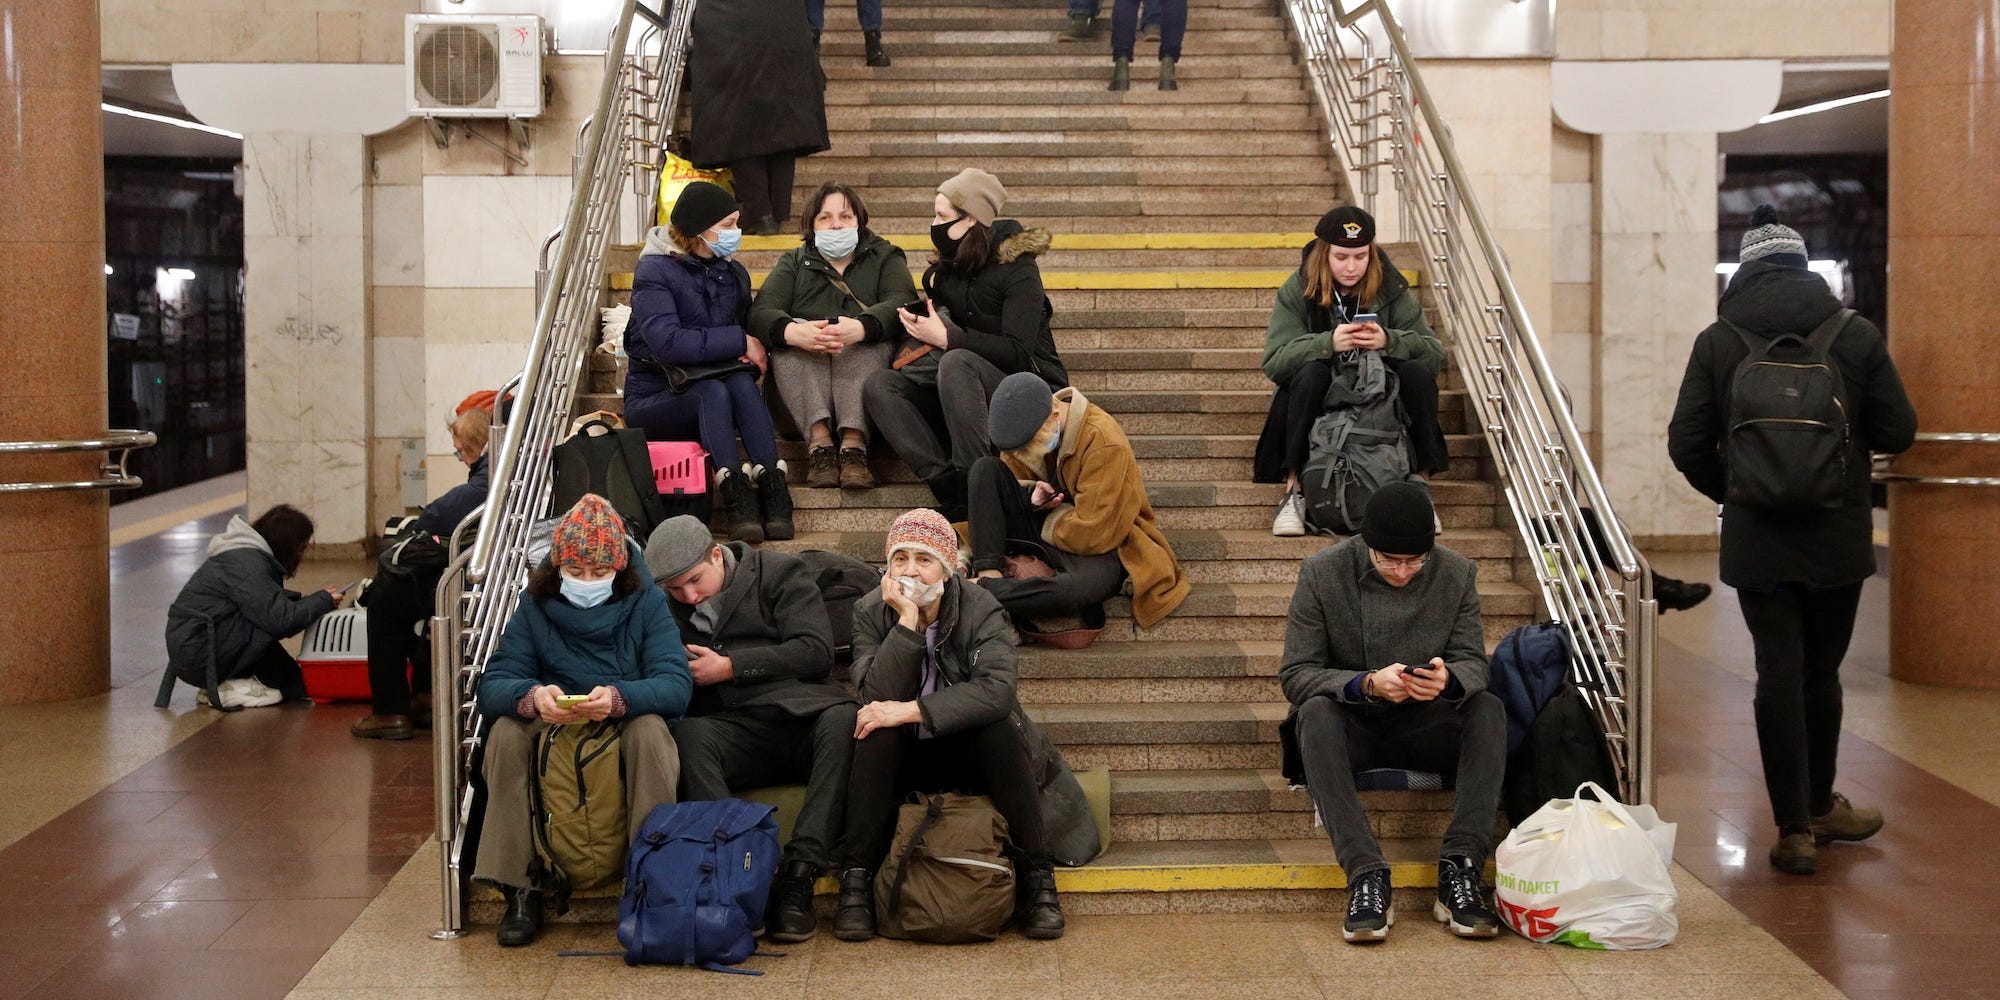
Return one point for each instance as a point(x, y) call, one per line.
point(760, 648)
point(1785, 396)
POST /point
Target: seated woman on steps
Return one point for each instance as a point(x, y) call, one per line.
point(690, 304)
point(984, 318)
point(1343, 275)
point(934, 664)
point(826, 312)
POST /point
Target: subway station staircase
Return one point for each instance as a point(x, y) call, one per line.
point(1176, 216)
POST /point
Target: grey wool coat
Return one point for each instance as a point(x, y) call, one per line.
point(976, 656)
point(1345, 621)
point(772, 625)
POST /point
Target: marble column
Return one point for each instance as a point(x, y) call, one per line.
point(54, 645)
point(1944, 239)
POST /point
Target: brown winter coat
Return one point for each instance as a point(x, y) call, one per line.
point(1106, 508)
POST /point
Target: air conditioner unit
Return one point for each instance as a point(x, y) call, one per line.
point(473, 65)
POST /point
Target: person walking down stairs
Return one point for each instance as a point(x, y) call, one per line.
point(868, 12)
point(1125, 28)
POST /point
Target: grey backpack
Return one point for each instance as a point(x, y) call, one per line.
point(1358, 446)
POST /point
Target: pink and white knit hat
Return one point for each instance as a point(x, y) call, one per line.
point(926, 531)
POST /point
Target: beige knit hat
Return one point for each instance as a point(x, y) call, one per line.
point(976, 193)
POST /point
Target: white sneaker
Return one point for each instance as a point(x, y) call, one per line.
point(1291, 519)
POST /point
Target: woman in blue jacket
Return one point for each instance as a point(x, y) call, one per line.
point(690, 306)
point(591, 623)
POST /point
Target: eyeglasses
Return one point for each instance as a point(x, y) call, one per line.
point(1411, 563)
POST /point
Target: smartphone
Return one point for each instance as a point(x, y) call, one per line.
point(351, 585)
point(1366, 318)
point(922, 307)
point(569, 701)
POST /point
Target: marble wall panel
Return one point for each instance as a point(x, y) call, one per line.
point(397, 156)
point(396, 247)
point(485, 232)
point(482, 316)
point(337, 169)
point(453, 371)
point(1572, 246)
point(396, 312)
point(398, 386)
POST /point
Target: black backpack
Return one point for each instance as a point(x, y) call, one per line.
point(1564, 748)
point(1359, 445)
point(613, 464)
point(1787, 440)
point(842, 580)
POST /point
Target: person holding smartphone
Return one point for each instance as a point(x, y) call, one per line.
point(1385, 667)
point(590, 623)
point(231, 613)
point(826, 312)
point(1346, 296)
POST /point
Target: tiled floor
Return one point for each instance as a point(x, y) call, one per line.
point(183, 854)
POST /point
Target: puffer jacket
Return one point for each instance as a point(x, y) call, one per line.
point(235, 607)
point(976, 656)
point(630, 643)
point(801, 286)
point(1000, 311)
point(686, 310)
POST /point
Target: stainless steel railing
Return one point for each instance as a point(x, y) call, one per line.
point(644, 61)
point(1384, 121)
point(1885, 471)
point(112, 475)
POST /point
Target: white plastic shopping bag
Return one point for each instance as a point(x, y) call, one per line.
point(1591, 873)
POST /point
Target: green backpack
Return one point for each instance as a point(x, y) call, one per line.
point(579, 799)
point(947, 879)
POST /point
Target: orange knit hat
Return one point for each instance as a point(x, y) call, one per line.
point(591, 536)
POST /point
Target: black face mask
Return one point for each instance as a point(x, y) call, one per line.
point(941, 237)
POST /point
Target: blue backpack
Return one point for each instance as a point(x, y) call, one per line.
point(1529, 668)
point(696, 882)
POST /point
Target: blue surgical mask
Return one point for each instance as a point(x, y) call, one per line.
point(835, 244)
point(587, 593)
point(1055, 440)
point(726, 241)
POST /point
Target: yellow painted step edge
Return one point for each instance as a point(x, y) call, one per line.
point(1094, 241)
point(1111, 280)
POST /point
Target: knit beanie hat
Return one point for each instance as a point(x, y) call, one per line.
point(677, 545)
point(700, 206)
point(1770, 241)
point(591, 536)
point(926, 531)
point(1398, 520)
point(1021, 403)
point(976, 193)
point(1346, 226)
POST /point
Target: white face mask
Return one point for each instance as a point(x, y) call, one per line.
point(922, 594)
point(587, 593)
point(1055, 439)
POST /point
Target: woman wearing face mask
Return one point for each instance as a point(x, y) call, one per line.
point(690, 310)
point(825, 312)
point(1342, 277)
point(590, 624)
point(985, 317)
point(934, 665)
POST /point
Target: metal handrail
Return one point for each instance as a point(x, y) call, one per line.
point(479, 588)
point(112, 472)
point(1381, 115)
point(1884, 474)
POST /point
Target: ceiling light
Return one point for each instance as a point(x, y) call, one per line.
point(180, 272)
point(1813, 109)
point(165, 120)
point(107, 270)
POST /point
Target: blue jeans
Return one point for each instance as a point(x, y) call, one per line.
point(868, 12)
point(1171, 15)
point(716, 412)
point(1148, 17)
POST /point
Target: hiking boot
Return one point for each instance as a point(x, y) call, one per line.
point(774, 498)
point(1041, 911)
point(1795, 854)
point(873, 40)
point(1167, 81)
point(1368, 915)
point(1678, 595)
point(790, 918)
point(1461, 899)
point(1079, 29)
point(739, 505)
point(524, 917)
point(1121, 74)
point(1150, 32)
point(763, 225)
point(1291, 519)
point(383, 727)
point(854, 471)
point(855, 920)
point(823, 467)
point(949, 490)
point(1844, 822)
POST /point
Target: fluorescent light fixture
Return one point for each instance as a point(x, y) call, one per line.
point(165, 120)
point(1813, 109)
point(181, 273)
point(1815, 266)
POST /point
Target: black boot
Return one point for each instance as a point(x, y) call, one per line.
point(876, 57)
point(855, 920)
point(1040, 910)
point(1167, 75)
point(1678, 595)
point(739, 506)
point(524, 917)
point(949, 489)
point(790, 918)
point(774, 498)
point(1121, 74)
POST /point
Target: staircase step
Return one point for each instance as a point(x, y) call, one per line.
point(1089, 71)
point(1251, 804)
point(1135, 119)
point(903, 21)
point(1071, 92)
point(1017, 47)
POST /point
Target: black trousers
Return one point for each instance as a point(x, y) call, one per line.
point(891, 763)
point(395, 606)
point(729, 752)
point(1172, 16)
point(274, 668)
point(1800, 636)
point(934, 415)
point(1419, 390)
point(764, 187)
point(998, 508)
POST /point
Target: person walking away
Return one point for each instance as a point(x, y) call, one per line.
point(1173, 15)
point(868, 12)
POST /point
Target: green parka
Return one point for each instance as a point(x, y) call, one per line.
point(801, 286)
point(1302, 331)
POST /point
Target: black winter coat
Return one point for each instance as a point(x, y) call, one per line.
point(1762, 550)
point(773, 627)
point(235, 607)
point(1000, 311)
point(755, 82)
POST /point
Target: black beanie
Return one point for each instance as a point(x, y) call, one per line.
point(700, 206)
point(1398, 520)
point(1346, 226)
